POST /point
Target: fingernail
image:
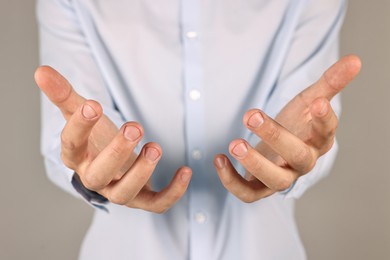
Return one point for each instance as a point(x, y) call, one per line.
point(132, 133)
point(220, 162)
point(151, 154)
point(240, 150)
point(185, 176)
point(255, 120)
point(88, 112)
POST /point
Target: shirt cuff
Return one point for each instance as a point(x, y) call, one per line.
point(94, 198)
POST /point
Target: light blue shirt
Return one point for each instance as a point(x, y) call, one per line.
point(187, 71)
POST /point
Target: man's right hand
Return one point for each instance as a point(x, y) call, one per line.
point(104, 156)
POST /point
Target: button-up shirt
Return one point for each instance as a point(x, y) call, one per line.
point(187, 70)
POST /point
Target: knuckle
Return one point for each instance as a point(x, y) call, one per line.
point(303, 158)
point(328, 128)
point(175, 197)
point(66, 142)
point(159, 209)
point(141, 176)
point(284, 184)
point(227, 180)
point(247, 197)
point(329, 145)
point(272, 133)
point(326, 147)
point(67, 162)
point(255, 166)
point(118, 198)
point(116, 151)
point(93, 182)
point(331, 132)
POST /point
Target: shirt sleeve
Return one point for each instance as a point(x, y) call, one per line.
point(64, 47)
point(314, 47)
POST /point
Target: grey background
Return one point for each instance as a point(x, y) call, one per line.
point(346, 216)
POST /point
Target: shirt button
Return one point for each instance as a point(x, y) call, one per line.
point(200, 218)
point(196, 154)
point(194, 94)
point(191, 35)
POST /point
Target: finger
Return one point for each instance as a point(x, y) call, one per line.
point(74, 137)
point(336, 78)
point(274, 177)
point(159, 202)
point(101, 171)
point(247, 191)
point(138, 175)
point(58, 90)
point(324, 125)
point(291, 148)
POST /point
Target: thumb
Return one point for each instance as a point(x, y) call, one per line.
point(58, 90)
point(335, 79)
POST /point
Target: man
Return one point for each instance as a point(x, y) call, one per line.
point(178, 76)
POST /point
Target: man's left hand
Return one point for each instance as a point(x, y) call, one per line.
point(291, 144)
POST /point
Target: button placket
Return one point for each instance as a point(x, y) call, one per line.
point(200, 232)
